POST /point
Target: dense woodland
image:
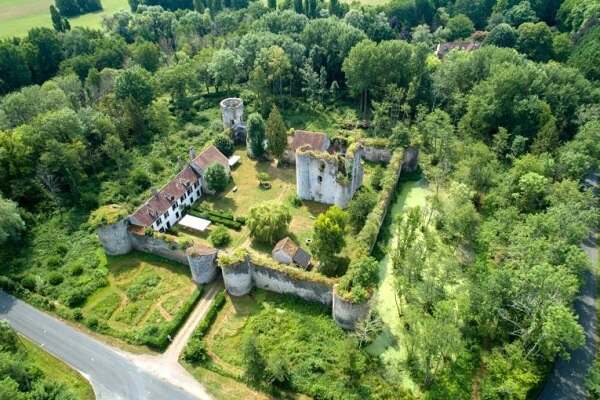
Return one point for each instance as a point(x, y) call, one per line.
point(486, 274)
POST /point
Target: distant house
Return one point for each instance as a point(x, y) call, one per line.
point(465, 45)
point(317, 141)
point(288, 252)
point(167, 205)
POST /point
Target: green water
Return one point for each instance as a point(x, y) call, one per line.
point(388, 345)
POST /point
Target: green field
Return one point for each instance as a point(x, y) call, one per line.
point(18, 16)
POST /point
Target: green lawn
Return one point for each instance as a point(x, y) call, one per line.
point(18, 16)
point(57, 371)
point(244, 192)
point(319, 355)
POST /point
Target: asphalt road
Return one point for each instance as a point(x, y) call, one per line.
point(113, 377)
point(567, 381)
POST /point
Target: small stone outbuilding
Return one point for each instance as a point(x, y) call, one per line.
point(288, 252)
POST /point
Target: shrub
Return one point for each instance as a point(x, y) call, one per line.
point(77, 314)
point(219, 237)
point(53, 262)
point(76, 269)
point(75, 298)
point(356, 285)
point(377, 178)
point(224, 144)
point(360, 207)
point(62, 250)
point(92, 323)
point(294, 201)
point(195, 352)
point(55, 278)
point(29, 282)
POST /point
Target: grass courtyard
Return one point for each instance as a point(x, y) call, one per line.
point(322, 360)
point(243, 192)
point(18, 16)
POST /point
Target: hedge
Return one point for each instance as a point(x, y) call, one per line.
point(230, 223)
point(367, 237)
point(195, 351)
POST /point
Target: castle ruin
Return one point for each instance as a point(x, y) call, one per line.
point(232, 110)
point(329, 176)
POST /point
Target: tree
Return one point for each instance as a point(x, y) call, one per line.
point(68, 8)
point(224, 68)
point(255, 137)
point(272, 4)
point(502, 35)
point(360, 70)
point(328, 238)
point(298, 6)
point(535, 40)
point(11, 223)
point(271, 68)
point(147, 55)
point(268, 222)
point(135, 84)
point(460, 27)
point(219, 237)
point(359, 208)
point(216, 178)
point(60, 23)
point(14, 71)
point(276, 133)
point(255, 365)
point(585, 53)
point(520, 13)
point(377, 178)
point(509, 374)
point(224, 143)
point(46, 54)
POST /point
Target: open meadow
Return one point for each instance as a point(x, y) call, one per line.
point(18, 16)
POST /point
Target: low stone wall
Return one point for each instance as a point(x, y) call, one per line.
point(277, 281)
point(159, 247)
point(347, 314)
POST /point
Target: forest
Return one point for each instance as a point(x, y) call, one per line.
point(507, 123)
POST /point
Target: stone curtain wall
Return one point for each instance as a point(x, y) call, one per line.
point(376, 154)
point(241, 277)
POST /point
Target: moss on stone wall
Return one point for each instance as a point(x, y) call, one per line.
point(107, 215)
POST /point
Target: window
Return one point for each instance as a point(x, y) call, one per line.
point(166, 215)
point(162, 230)
point(320, 179)
point(177, 214)
point(198, 192)
point(196, 184)
point(174, 206)
point(189, 191)
point(168, 225)
point(158, 221)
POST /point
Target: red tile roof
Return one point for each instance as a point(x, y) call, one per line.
point(210, 156)
point(160, 202)
point(316, 140)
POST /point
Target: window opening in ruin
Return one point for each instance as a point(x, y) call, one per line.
point(322, 166)
point(320, 179)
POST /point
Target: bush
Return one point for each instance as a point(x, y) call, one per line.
point(76, 269)
point(294, 201)
point(7, 284)
point(230, 223)
point(55, 278)
point(224, 144)
point(29, 282)
point(53, 262)
point(219, 237)
point(75, 298)
point(195, 352)
point(377, 178)
point(77, 314)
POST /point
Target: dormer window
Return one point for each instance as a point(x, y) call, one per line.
point(174, 206)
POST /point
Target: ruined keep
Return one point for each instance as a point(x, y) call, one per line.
point(232, 110)
point(115, 238)
point(328, 178)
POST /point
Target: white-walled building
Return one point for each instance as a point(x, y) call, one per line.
point(167, 206)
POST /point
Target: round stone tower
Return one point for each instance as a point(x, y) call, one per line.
point(115, 238)
point(233, 112)
point(203, 263)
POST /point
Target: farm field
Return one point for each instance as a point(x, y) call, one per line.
point(18, 16)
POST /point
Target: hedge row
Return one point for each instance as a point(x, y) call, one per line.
point(195, 351)
point(229, 223)
point(221, 214)
point(367, 237)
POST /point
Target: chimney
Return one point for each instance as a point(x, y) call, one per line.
point(192, 153)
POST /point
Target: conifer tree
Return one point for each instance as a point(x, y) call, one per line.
point(276, 133)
